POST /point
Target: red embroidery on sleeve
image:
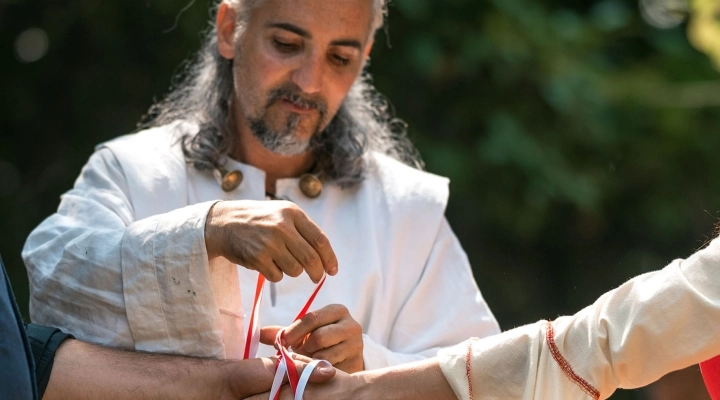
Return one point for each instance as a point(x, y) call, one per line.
point(467, 368)
point(565, 365)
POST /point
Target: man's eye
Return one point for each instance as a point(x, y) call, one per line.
point(341, 61)
point(285, 47)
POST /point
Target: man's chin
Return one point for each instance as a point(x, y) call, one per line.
point(288, 149)
point(304, 132)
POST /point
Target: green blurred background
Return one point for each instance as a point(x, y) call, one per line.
point(580, 137)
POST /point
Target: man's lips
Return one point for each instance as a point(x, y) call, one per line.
point(295, 107)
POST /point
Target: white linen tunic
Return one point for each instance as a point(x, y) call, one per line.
point(123, 261)
point(653, 324)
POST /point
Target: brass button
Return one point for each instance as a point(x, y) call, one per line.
point(231, 180)
point(311, 186)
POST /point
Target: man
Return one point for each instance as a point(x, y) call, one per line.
point(141, 254)
point(65, 368)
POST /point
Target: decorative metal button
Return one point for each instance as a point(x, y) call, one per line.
point(230, 180)
point(311, 186)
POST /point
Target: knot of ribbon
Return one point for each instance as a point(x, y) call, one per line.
point(285, 365)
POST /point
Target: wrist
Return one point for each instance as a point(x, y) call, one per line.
point(367, 385)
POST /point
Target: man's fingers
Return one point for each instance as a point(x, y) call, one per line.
point(345, 329)
point(350, 366)
point(319, 241)
point(338, 353)
point(287, 262)
point(300, 349)
point(306, 256)
point(268, 334)
point(323, 371)
point(268, 269)
point(312, 321)
point(346, 356)
point(324, 337)
point(301, 358)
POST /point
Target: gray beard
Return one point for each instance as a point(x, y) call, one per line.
point(284, 143)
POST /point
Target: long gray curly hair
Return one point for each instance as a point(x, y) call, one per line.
point(202, 93)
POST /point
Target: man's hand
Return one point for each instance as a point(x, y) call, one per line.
point(329, 333)
point(342, 386)
point(275, 238)
point(420, 380)
point(248, 377)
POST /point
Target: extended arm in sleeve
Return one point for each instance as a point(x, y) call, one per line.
point(653, 324)
point(85, 261)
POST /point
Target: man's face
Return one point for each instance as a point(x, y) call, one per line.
point(295, 64)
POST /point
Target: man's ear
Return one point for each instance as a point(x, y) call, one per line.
point(368, 48)
point(366, 55)
point(225, 25)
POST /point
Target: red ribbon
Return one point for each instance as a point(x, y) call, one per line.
point(252, 339)
point(711, 374)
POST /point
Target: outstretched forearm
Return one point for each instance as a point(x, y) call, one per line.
point(86, 371)
point(422, 380)
point(414, 381)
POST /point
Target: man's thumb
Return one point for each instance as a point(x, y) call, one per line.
point(268, 334)
point(323, 372)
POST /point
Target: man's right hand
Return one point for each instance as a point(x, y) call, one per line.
point(275, 238)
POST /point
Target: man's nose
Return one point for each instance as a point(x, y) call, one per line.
point(309, 75)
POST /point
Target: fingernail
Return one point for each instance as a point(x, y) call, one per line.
point(324, 367)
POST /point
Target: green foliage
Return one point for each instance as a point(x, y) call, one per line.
point(580, 141)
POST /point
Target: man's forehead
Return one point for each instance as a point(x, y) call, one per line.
point(321, 19)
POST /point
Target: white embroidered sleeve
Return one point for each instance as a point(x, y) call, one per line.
point(631, 336)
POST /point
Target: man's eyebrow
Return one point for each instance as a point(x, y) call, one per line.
point(347, 42)
point(290, 27)
point(302, 32)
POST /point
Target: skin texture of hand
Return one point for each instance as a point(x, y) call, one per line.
point(329, 333)
point(421, 380)
point(275, 238)
point(86, 371)
point(342, 386)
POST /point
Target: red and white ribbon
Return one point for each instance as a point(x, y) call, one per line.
point(285, 365)
point(252, 341)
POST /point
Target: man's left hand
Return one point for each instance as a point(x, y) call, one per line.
point(329, 333)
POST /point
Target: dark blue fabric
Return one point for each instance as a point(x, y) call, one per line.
point(44, 342)
point(17, 378)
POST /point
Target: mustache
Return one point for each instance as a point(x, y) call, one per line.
point(295, 95)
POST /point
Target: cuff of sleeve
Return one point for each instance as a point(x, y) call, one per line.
point(168, 291)
point(44, 342)
point(454, 365)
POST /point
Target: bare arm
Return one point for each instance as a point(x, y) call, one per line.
point(86, 371)
point(414, 381)
point(422, 380)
